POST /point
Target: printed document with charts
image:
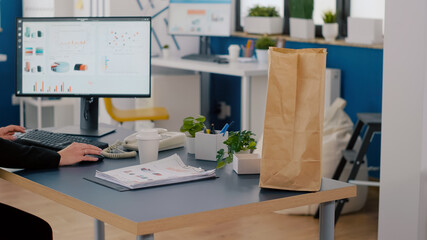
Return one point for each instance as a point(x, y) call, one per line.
point(165, 171)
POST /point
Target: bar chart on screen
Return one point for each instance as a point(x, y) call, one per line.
point(51, 88)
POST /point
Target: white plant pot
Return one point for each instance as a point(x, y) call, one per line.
point(246, 163)
point(330, 31)
point(190, 144)
point(263, 25)
point(165, 52)
point(301, 28)
point(262, 56)
point(364, 30)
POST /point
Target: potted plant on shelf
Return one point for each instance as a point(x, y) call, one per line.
point(165, 51)
point(301, 18)
point(239, 145)
point(190, 126)
point(263, 20)
point(330, 26)
point(261, 48)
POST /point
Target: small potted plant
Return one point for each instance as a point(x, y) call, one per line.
point(165, 51)
point(239, 145)
point(190, 126)
point(263, 20)
point(330, 26)
point(261, 48)
point(301, 18)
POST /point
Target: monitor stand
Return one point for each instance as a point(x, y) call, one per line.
point(89, 109)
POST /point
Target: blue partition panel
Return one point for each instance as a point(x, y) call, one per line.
point(9, 11)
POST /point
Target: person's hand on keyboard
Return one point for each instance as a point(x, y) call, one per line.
point(77, 152)
point(8, 132)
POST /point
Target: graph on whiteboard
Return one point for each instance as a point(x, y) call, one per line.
point(200, 19)
point(159, 11)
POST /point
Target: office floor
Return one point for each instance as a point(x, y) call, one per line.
point(68, 224)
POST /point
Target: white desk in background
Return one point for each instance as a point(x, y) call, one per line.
point(244, 70)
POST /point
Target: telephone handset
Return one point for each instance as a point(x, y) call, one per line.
point(120, 149)
point(169, 140)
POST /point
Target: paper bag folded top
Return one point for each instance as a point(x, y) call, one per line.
point(292, 144)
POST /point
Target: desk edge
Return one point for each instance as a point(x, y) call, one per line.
point(201, 218)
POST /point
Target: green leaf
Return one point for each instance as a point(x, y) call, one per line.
point(229, 159)
point(301, 8)
point(192, 125)
point(219, 155)
point(258, 11)
point(329, 16)
point(201, 119)
point(220, 164)
point(264, 43)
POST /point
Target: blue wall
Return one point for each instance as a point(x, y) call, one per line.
point(10, 10)
point(361, 82)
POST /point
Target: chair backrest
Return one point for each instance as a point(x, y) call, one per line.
point(125, 115)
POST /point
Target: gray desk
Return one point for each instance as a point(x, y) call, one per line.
point(144, 212)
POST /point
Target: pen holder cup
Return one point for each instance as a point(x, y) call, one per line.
point(247, 52)
point(208, 144)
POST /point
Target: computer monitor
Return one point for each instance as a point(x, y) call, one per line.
point(84, 57)
point(200, 17)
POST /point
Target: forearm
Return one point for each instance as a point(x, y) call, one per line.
point(14, 155)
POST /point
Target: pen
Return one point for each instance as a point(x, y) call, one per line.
point(225, 128)
point(248, 45)
point(248, 48)
point(212, 129)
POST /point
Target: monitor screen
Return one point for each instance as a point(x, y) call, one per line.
point(200, 17)
point(83, 57)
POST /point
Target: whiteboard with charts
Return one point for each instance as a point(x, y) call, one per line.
point(200, 17)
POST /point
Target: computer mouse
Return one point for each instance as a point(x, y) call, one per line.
point(221, 61)
point(100, 157)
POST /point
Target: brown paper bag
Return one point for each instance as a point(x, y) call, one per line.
point(292, 144)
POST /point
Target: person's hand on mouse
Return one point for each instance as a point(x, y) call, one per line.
point(76, 152)
point(9, 131)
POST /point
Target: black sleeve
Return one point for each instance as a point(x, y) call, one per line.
point(15, 155)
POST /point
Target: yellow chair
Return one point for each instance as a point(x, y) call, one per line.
point(120, 115)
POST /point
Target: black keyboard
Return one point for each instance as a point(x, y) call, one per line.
point(54, 141)
point(205, 58)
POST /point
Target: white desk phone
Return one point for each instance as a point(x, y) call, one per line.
point(169, 140)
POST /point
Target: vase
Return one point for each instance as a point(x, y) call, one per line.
point(301, 28)
point(190, 144)
point(330, 31)
point(263, 25)
point(262, 56)
point(165, 52)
